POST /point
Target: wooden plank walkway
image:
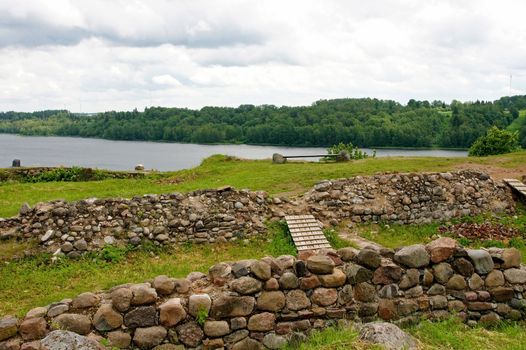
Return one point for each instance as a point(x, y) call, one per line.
point(306, 232)
point(516, 185)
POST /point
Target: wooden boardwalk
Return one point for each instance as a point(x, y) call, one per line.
point(306, 232)
point(516, 185)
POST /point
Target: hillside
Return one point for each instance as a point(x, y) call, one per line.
point(365, 122)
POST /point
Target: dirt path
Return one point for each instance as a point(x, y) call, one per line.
point(358, 241)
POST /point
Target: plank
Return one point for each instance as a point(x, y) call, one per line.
point(306, 233)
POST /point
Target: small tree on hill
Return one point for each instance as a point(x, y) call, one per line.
point(496, 141)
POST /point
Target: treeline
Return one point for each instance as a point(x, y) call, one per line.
point(364, 122)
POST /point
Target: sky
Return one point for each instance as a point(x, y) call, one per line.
point(99, 55)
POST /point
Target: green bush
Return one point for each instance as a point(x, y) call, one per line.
point(353, 151)
point(496, 141)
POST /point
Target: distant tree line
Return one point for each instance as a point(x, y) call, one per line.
point(365, 122)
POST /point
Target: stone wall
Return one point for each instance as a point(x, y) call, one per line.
point(257, 304)
point(409, 198)
point(198, 217)
point(84, 174)
point(227, 214)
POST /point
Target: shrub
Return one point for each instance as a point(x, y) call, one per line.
point(354, 152)
point(496, 141)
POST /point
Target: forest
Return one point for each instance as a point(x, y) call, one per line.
point(366, 122)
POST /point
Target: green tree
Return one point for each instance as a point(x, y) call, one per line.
point(496, 141)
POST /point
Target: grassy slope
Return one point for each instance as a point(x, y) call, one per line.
point(518, 122)
point(294, 177)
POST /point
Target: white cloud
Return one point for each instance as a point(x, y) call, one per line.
point(120, 54)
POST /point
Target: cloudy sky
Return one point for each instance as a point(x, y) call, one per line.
point(96, 55)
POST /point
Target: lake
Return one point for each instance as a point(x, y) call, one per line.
point(124, 155)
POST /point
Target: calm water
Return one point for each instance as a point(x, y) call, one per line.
point(124, 155)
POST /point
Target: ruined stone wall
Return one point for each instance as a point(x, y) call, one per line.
point(257, 304)
point(409, 198)
point(84, 174)
point(226, 214)
point(206, 216)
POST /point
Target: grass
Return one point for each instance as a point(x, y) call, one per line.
point(444, 335)
point(216, 171)
point(35, 281)
point(394, 236)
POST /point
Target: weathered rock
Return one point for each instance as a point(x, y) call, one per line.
point(119, 339)
point(320, 264)
point(142, 316)
point(121, 299)
point(246, 285)
point(410, 279)
point(358, 274)
point(37, 312)
point(262, 322)
point(364, 292)
point(511, 258)
point(502, 294)
point(412, 256)
point(443, 272)
point(369, 258)
point(494, 279)
point(143, 294)
point(387, 335)
point(84, 301)
point(199, 303)
point(387, 274)
point(146, 338)
point(261, 270)
point(482, 261)
point(441, 249)
point(463, 267)
point(33, 328)
point(324, 296)
point(216, 328)
point(438, 302)
point(248, 344)
point(231, 306)
point(347, 253)
point(77, 323)
point(274, 341)
point(336, 279)
point(456, 282)
point(66, 340)
point(297, 300)
point(219, 273)
point(310, 282)
point(164, 285)
point(475, 282)
point(387, 309)
point(515, 276)
point(107, 319)
point(8, 327)
point(190, 334)
point(288, 281)
point(271, 301)
point(171, 312)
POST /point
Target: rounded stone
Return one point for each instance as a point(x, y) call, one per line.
point(164, 285)
point(147, 338)
point(271, 301)
point(84, 301)
point(216, 328)
point(297, 300)
point(199, 303)
point(121, 299)
point(246, 285)
point(190, 334)
point(107, 319)
point(494, 279)
point(414, 256)
point(320, 264)
point(261, 270)
point(171, 312)
point(324, 296)
point(80, 324)
point(262, 322)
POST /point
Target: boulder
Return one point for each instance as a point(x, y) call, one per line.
point(142, 316)
point(336, 279)
point(216, 328)
point(443, 272)
point(441, 249)
point(147, 338)
point(262, 322)
point(143, 294)
point(320, 264)
point(261, 270)
point(119, 339)
point(33, 328)
point(412, 256)
point(246, 285)
point(77, 323)
point(121, 299)
point(8, 327)
point(288, 281)
point(164, 285)
point(171, 312)
point(107, 319)
point(232, 306)
point(190, 334)
point(515, 276)
point(324, 296)
point(369, 258)
point(66, 340)
point(297, 300)
point(199, 303)
point(271, 301)
point(494, 279)
point(387, 335)
point(84, 301)
point(482, 261)
point(387, 274)
point(511, 258)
